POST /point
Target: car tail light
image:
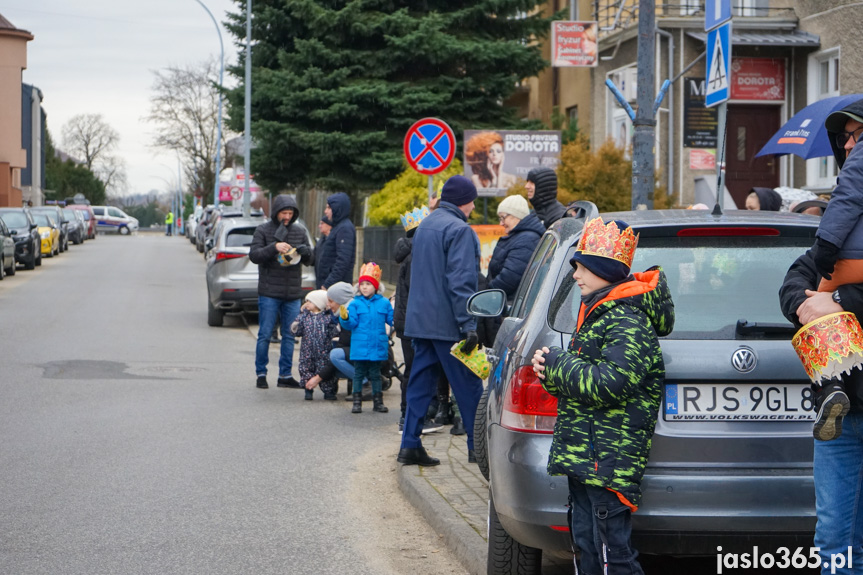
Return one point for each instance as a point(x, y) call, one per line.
point(727, 231)
point(228, 256)
point(527, 406)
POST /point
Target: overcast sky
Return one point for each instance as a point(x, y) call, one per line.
point(98, 56)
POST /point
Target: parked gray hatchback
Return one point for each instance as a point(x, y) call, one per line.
point(731, 461)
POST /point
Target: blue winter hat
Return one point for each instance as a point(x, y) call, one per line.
point(608, 269)
point(458, 190)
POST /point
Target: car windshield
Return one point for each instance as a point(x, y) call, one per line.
point(42, 220)
point(15, 220)
point(714, 282)
point(240, 237)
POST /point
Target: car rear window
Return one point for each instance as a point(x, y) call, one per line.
point(16, 221)
point(714, 282)
point(240, 237)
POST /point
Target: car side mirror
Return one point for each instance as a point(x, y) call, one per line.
point(209, 244)
point(487, 303)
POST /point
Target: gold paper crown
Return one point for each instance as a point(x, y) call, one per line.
point(412, 219)
point(371, 270)
point(607, 241)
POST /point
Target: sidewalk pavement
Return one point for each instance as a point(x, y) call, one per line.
point(453, 498)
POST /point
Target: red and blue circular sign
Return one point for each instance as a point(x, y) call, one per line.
point(430, 146)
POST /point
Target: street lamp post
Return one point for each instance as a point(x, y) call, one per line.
point(221, 82)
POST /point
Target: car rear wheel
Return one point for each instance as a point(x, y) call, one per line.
point(11, 270)
point(479, 429)
point(215, 317)
point(2, 267)
point(506, 556)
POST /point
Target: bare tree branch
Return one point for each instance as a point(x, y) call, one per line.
point(89, 138)
point(184, 109)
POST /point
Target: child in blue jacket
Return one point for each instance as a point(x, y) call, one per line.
point(367, 316)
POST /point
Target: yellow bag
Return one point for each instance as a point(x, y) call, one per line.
point(475, 360)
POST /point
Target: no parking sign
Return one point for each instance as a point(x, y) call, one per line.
point(429, 146)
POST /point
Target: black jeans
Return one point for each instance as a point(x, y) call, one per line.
point(601, 527)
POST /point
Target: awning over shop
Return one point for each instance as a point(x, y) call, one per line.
point(784, 39)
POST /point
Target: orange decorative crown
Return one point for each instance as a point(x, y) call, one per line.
point(607, 241)
point(372, 271)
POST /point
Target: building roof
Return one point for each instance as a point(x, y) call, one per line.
point(7, 26)
point(785, 39)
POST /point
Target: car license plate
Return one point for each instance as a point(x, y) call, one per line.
point(738, 402)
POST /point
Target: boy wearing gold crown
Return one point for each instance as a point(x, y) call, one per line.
point(608, 384)
point(367, 316)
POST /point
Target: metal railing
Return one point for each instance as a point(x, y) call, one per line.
point(613, 15)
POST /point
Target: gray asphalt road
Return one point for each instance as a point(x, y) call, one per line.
point(134, 441)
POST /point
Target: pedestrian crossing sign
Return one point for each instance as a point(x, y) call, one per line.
point(718, 79)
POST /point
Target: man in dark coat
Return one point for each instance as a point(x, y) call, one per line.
point(339, 251)
point(325, 227)
point(836, 463)
point(444, 272)
point(278, 247)
point(541, 189)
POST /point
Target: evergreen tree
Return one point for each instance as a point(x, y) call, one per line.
point(337, 83)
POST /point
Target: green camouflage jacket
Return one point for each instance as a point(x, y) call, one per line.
point(609, 385)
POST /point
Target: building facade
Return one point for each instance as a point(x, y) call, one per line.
point(13, 156)
point(785, 55)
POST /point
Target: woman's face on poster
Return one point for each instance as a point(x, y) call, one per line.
point(495, 153)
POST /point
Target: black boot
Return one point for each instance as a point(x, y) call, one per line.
point(457, 427)
point(442, 415)
point(378, 401)
point(358, 403)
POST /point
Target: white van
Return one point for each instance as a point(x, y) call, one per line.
point(111, 219)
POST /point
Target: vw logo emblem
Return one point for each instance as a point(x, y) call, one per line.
point(743, 360)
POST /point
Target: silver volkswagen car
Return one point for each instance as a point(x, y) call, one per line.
point(731, 461)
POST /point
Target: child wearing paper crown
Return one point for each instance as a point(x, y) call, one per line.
point(608, 383)
point(367, 316)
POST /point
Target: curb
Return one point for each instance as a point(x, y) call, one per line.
point(461, 539)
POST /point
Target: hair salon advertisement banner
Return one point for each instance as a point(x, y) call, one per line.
point(573, 44)
point(496, 160)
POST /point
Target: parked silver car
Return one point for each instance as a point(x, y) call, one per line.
point(7, 251)
point(731, 461)
point(232, 279)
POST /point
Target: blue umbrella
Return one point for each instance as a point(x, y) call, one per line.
point(804, 134)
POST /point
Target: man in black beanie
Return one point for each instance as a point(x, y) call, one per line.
point(541, 189)
point(444, 274)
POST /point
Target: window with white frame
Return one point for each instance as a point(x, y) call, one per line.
point(823, 74)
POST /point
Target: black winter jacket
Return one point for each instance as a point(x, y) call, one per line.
point(802, 276)
point(512, 254)
point(402, 257)
point(339, 251)
point(274, 279)
point(544, 199)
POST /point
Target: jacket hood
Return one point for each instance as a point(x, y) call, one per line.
point(545, 181)
point(530, 223)
point(649, 292)
point(835, 123)
point(340, 204)
point(281, 202)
